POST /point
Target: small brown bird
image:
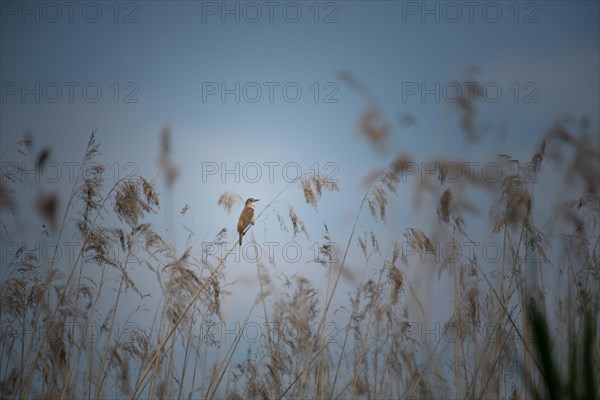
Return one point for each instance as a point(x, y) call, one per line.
point(246, 217)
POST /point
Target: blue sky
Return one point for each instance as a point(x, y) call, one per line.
point(172, 52)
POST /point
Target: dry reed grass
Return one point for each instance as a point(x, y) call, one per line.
point(375, 353)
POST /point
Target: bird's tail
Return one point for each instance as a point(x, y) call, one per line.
point(241, 236)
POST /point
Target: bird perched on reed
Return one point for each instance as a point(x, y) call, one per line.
point(246, 217)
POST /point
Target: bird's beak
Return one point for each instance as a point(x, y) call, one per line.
point(256, 199)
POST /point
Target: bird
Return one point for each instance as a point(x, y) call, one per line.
point(246, 217)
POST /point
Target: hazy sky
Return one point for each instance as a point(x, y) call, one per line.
point(259, 82)
point(537, 60)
